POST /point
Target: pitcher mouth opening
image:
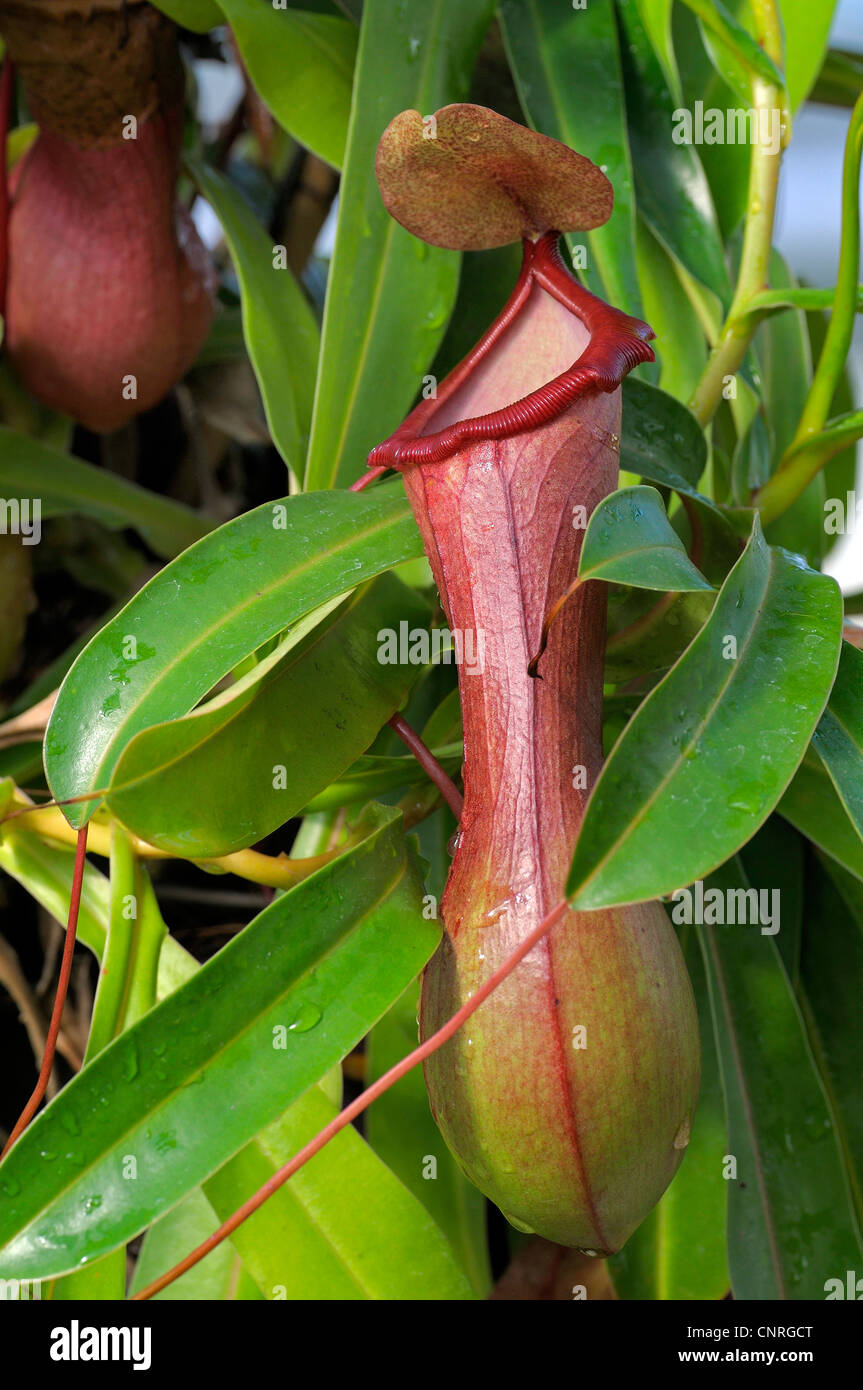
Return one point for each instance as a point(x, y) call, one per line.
point(611, 344)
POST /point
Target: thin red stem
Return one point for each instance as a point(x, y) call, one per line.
point(367, 478)
point(7, 84)
point(430, 765)
point(356, 1107)
point(60, 997)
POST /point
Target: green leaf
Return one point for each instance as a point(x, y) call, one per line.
point(831, 986)
point(811, 804)
point(656, 19)
point(203, 613)
point(65, 485)
point(629, 540)
point(401, 1129)
point(46, 871)
point(556, 57)
point(718, 20)
point(679, 1251)
point(197, 15)
point(681, 791)
point(661, 439)
point(302, 66)
point(193, 1081)
point(343, 1228)
point(785, 361)
point(279, 325)
point(839, 737)
point(773, 861)
point(244, 764)
point(790, 1225)
point(389, 295)
point(371, 775)
point(671, 189)
point(104, 1281)
point(680, 345)
point(220, 1276)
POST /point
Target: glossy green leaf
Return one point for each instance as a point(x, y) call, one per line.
point(68, 486)
point(656, 19)
point(726, 166)
point(371, 775)
point(219, 1276)
point(790, 1225)
point(785, 365)
point(389, 295)
point(773, 862)
point(649, 633)
point(203, 1072)
point(714, 745)
point(660, 438)
point(629, 540)
point(671, 189)
point(839, 737)
point(202, 614)
point(302, 65)
point(280, 328)
point(830, 990)
point(680, 344)
point(679, 1251)
point(247, 761)
point(46, 871)
point(197, 15)
point(557, 55)
point(721, 22)
point(812, 805)
point(401, 1129)
point(343, 1228)
point(805, 30)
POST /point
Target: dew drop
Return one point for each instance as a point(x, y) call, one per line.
point(130, 1063)
point(305, 1018)
point(10, 1188)
point(92, 1204)
point(69, 1121)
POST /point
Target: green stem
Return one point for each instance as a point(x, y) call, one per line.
point(810, 448)
point(736, 334)
point(150, 934)
point(109, 1004)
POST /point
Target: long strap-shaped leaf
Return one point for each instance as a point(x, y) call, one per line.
point(710, 751)
point(173, 1098)
point(790, 1223)
point(30, 469)
point(556, 57)
point(350, 1218)
point(279, 326)
point(385, 287)
point(229, 774)
point(207, 610)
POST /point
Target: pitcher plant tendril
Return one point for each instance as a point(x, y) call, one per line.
point(59, 998)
